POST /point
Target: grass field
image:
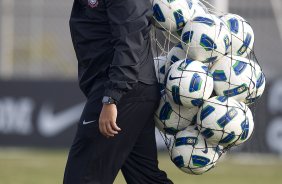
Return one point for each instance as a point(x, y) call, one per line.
point(19, 166)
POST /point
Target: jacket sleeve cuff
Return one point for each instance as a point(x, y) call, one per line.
point(114, 93)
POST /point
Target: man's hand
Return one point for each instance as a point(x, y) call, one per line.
point(107, 120)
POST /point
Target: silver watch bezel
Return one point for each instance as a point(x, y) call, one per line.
point(108, 100)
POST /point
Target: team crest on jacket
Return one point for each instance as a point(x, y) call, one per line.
point(93, 3)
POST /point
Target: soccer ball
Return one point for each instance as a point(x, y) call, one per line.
point(206, 38)
point(199, 8)
point(174, 37)
point(260, 85)
point(192, 154)
point(171, 118)
point(242, 34)
point(160, 64)
point(172, 15)
point(175, 54)
point(188, 83)
point(234, 76)
point(247, 126)
point(225, 121)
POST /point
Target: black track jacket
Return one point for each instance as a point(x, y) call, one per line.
point(112, 42)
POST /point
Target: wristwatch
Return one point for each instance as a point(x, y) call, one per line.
point(108, 100)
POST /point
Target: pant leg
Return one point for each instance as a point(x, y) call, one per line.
point(141, 166)
point(94, 159)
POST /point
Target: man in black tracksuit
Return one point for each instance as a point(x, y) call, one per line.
point(116, 74)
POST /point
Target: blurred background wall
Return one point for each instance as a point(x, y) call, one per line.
point(40, 102)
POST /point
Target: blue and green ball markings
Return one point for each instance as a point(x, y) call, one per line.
point(200, 161)
point(165, 112)
point(187, 36)
point(204, 20)
point(227, 118)
point(158, 14)
point(222, 98)
point(226, 43)
point(260, 81)
point(236, 91)
point(171, 130)
point(176, 95)
point(206, 148)
point(233, 25)
point(206, 69)
point(170, 1)
point(207, 43)
point(179, 32)
point(164, 115)
point(206, 112)
point(228, 139)
point(245, 129)
point(174, 59)
point(207, 133)
point(179, 19)
point(196, 83)
point(219, 75)
point(179, 161)
point(179, 45)
point(245, 46)
point(186, 141)
point(197, 102)
point(239, 67)
point(194, 120)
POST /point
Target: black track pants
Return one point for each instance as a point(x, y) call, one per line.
point(94, 159)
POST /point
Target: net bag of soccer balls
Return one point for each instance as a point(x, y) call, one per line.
point(209, 77)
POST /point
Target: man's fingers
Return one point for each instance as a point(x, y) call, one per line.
point(110, 131)
point(108, 128)
point(102, 128)
point(107, 120)
point(114, 126)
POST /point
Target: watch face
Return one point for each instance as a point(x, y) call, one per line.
point(105, 99)
point(108, 100)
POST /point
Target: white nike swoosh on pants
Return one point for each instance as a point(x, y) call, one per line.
point(88, 122)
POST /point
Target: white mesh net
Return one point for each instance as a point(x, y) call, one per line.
point(208, 74)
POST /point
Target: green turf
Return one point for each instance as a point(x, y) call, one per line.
point(19, 166)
